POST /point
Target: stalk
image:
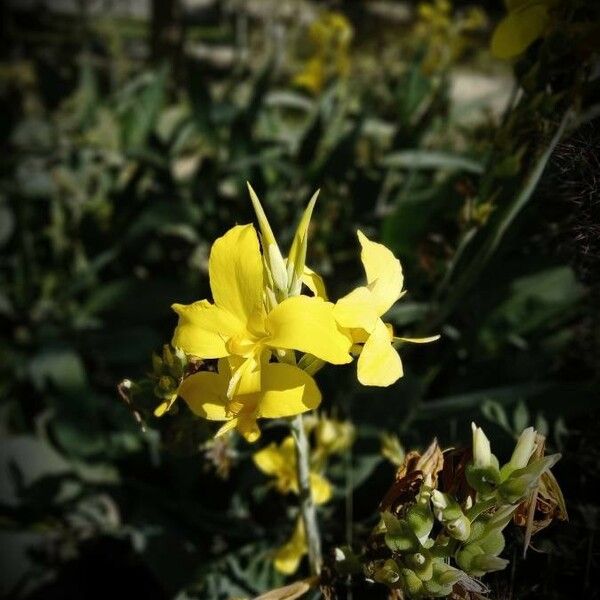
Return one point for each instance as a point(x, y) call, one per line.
point(307, 505)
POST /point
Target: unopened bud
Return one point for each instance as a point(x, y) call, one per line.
point(482, 453)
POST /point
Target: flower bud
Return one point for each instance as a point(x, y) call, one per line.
point(411, 583)
point(482, 453)
point(484, 563)
point(521, 481)
point(388, 574)
point(399, 536)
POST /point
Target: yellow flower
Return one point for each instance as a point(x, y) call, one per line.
point(361, 311)
point(253, 320)
point(287, 558)
point(280, 462)
point(330, 36)
point(526, 21)
point(332, 437)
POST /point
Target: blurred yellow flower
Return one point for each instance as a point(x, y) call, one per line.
point(287, 558)
point(279, 461)
point(526, 21)
point(445, 35)
point(361, 311)
point(332, 437)
point(330, 36)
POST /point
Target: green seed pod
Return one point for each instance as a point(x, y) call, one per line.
point(422, 564)
point(399, 536)
point(459, 529)
point(448, 511)
point(420, 517)
point(388, 573)
point(157, 365)
point(411, 583)
point(485, 563)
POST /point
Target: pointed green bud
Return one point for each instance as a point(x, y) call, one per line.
point(271, 251)
point(522, 453)
point(297, 255)
point(521, 481)
point(482, 453)
point(484, 563)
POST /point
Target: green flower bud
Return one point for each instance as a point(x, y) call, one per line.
point(459, 529)
point(420, 517)
point(484, 563)
point(422, 564)
point(443, 580)
point(521, 481)
point(157, 364)
point(448, 511)
point(524, 449)
point(399, 536)
point(388, 574)
point(482, 453)
point(411, 583)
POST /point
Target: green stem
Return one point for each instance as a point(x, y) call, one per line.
point(307, 505)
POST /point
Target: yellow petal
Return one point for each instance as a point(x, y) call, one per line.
point(307, 324)
point(206, 395)
point(204, 329)
point(288, 557)
point(286, 391)
point(314, 282)
point(270, 460)
point(425, 340)
point(358, 309)
point(384, 273)
point(518, 30)
point(236, 272)
point(248, 427)
point(321, 488)
point(379, 364)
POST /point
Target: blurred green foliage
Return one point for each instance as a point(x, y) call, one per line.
point(115, 178)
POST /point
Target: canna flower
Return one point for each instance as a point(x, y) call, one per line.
point(279, 461)
point(361, 310)
point(257, 316)
point(526, 21)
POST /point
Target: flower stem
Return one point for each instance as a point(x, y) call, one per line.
point(307, 505)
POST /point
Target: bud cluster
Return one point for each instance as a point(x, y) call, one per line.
point(168, 369)
point(434, 539)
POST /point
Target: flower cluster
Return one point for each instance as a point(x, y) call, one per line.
point(439, 531)
point(254, 349)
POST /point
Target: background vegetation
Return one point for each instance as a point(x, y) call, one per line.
point(126, 145)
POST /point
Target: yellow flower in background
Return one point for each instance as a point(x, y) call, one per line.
point(332, 437)
point(257, 315)
point(445, 35)
point(330, 36)
point(279, 461)
point(526, 21)
point(361, 310)
point(287, 558)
